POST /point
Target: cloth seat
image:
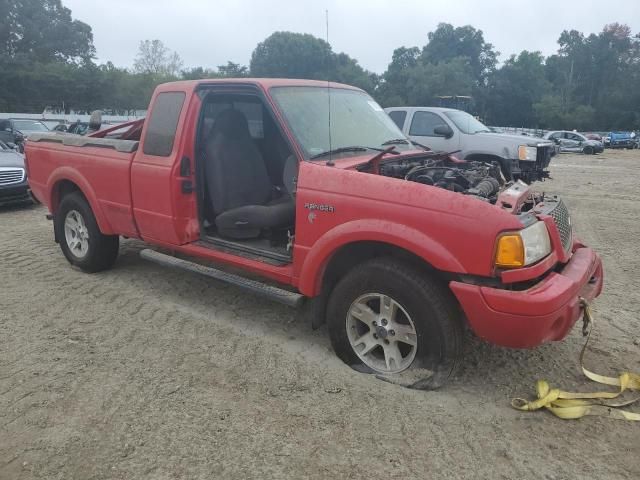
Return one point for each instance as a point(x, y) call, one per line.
point(244, 200)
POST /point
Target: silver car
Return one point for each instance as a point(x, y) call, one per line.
point(14, 187)
point(574, 142)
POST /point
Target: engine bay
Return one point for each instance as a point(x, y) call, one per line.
point(479, 179)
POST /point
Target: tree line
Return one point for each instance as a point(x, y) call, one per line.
point(47, 59)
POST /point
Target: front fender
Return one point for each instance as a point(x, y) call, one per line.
point(371, 230)
point(72, 175)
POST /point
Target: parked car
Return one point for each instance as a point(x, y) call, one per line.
point(27, 127)
point(574, 142)
point(11, 136)
point(14, 131)
point(620, 140)
point(394, 246)
point(593, 136)
point(13, 179)
point(445, 129)
point(80, 127)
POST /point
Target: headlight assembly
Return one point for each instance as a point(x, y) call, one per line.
point(527, 153)
point(523, 248)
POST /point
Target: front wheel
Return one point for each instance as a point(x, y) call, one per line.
point(589, 151)
point(81, 240)
point(389, 318)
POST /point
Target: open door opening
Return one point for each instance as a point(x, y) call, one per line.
point(246, 174)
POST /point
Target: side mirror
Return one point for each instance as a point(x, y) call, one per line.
point(443, 131)
point(12, 146)
point(8, 129)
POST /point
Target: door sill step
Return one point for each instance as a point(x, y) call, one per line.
point(256, 252)
point(271, 292)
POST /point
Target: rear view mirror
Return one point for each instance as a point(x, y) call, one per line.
point(443, 131)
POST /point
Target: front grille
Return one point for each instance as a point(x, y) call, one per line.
point(11, 176)
point(543, 156)
point(562, 220)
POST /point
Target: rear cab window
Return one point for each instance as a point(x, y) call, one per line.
point(398, 117)
point(252, 109)
point(163, 123)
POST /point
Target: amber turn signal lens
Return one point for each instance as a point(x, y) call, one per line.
point(510, 251)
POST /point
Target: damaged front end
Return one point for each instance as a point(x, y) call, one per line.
point(486, 182)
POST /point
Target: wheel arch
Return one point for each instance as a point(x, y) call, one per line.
point(62, 183)
point(343, 259)
point(351, 254)
point(484, 157)
point(354, 242)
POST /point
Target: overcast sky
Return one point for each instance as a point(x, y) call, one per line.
point(208, 32)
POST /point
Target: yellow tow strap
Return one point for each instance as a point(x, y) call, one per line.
point(572, 405)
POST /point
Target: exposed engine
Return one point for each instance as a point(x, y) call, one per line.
point(480, 179)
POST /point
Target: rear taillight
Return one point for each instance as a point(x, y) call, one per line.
point(26, 165)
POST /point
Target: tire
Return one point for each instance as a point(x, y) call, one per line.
point(589, 151)
point(419, 302)
point(99, 252)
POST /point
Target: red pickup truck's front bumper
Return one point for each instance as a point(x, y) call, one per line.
point(542, 313)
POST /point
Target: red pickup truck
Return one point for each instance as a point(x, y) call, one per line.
point(307, 192)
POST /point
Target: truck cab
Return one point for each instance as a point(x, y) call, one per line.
point(309, 194)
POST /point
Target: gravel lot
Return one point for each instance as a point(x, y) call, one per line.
point(142, 372)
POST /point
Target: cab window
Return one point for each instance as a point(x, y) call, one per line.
point(424, 123)
point(163, 124)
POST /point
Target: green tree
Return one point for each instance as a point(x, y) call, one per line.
point(297, 55)
point(427, 82)
point(233, 70)
point(456, 61)
point(448, 42)
point(44, 31)
point(291, 55)
point(391, 89)
point(513, 90)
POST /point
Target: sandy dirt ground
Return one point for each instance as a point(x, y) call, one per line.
point(148, 373)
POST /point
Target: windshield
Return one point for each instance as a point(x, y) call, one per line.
point(29, 126)
point(356, 119)
point(466, 123)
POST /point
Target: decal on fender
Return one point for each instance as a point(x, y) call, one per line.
point(320, 207)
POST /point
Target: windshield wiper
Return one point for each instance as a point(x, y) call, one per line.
point(396, 141)
point(354, 148)
point(402, 141)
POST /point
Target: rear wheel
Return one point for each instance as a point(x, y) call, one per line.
point(389, 318)
point(81, 240)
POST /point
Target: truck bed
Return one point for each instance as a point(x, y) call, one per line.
point(124, 146)
point(100, 168)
